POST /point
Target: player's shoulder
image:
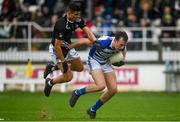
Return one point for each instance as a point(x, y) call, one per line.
point(105, 41)
point(61, 20)
point(105, 38)
point(60, 23)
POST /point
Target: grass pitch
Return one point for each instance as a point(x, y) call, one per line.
point(125, 106)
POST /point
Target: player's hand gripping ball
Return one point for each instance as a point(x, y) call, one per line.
point(117, 59)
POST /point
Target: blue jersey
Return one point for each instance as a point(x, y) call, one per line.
point(104, 51)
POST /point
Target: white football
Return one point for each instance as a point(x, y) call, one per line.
point(116, 57)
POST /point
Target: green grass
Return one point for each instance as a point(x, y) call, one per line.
point(125, 106)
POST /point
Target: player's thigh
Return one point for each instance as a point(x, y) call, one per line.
point(76, 64)
point(111, 81)
point(98, 77)
point(96, 71)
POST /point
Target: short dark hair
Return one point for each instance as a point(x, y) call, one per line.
point(74, 6)
point(121, 34)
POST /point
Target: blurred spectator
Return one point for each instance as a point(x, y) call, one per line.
point(177, 9)
point(124, 4)
point(42, 16)
point(5, 33)
point(133, 22)
point(26, 15)
point(59, 7)
point(145, 23)
point(108, 11)
point(16, 31)
point(38, 17)
point(106, 25)
point(167, 21)
point(146, 10)
point(51, 3)
point(99, 11)
point(119, 16)
point(147, 34)
point(4, 14)
point(8, 8)
point(163, 3)
point(106, 14)
point(5, 28)
point(46, 16)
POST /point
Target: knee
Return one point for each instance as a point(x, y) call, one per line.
point(100, 87)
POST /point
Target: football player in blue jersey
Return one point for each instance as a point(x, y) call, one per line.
point(101, 69)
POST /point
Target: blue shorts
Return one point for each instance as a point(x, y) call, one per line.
point(93, 64)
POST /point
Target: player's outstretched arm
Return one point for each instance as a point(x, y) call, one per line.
point(79, 42)
point(63, 66)
point(89, 33)
point(58, 49)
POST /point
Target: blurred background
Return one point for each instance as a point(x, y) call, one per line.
point(153, 27)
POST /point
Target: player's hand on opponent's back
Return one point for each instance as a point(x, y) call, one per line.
point(118, 64)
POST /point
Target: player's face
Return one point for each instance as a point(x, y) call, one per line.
point(119, 44)
point(74, 15)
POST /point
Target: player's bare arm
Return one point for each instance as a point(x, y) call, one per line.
point(79, 42)
point(58, 49)
point(89, 33)
point(59, 52)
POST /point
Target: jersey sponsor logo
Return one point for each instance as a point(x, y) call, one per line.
point(67, 27)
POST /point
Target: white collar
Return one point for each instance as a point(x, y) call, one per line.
point(112, 42)
point(70, 21)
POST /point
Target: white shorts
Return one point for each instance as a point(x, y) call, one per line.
point(72, 54)
point(93, 64)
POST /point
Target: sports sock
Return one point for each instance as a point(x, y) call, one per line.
point(81, 91)
point(97, 105)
